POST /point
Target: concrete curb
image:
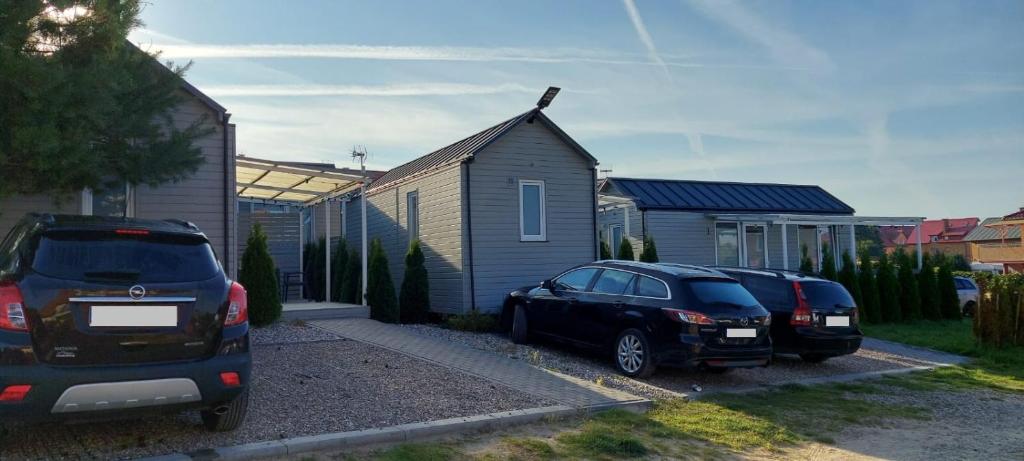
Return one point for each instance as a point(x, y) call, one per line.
point(396, 434)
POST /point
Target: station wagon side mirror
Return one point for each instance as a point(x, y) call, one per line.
point(547, 285)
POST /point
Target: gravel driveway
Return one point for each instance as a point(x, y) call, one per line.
point(669, 382)
point(308, 382)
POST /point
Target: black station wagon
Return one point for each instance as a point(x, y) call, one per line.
point(646, 315)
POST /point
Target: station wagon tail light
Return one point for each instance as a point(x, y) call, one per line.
point(12, 309)
point(238, 306)
point(695, 318)
point(802, 314)
point(15, 393)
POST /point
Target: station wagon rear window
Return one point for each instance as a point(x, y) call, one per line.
point(105, 256)
point(720, 292)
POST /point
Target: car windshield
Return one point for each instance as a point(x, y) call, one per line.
point(826, 294)
point(727, 292)
point(105, 256)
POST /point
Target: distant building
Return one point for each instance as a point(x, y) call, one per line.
point(936, 236)
point(998, 240)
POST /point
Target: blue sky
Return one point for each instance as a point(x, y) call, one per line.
point(910, 108)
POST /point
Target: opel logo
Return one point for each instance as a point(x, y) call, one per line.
point(744, 321)
point(137, 292)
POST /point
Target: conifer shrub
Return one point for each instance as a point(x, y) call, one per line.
point(352, 286)
point(650, 253)
point(259, 278)
point(806, 265)
point(888, 290)
point(339, 270)
point(414, 299)
point(949, 300)
point(380, 289)
point(828, 263)
point(606, 253)
point(929, 290)
point(848, 278)
point(626, 251)
point(869, 293)
point(910, 300)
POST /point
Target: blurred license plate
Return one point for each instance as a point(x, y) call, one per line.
point(837, 321)
point(740, 333)
point(133, 316)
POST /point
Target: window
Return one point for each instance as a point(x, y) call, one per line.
point(532, 227)
point(612, 282)
point(104, 256)
point(576, 280)
point(727, 244)
point(754, 246)
point(111, 201)
point(652, 288)
point(772, 292)
point(614, 238)
point(412, 215)
point(807, 236)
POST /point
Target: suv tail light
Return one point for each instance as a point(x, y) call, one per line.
point(802, 314)
point(695, 318)
point(12, 309)
point(238, 306)
point(15, 393)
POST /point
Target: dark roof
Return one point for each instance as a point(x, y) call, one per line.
point(734, 197)
point(468, 147)
point(983, 232)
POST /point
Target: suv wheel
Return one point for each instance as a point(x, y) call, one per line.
point(230, 419)
point(813, 358)
point(520, 332)
point(633, 354)
point(969, 309)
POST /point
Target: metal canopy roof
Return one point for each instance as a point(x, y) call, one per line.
point(308, 183)
point(729, 196)
point(811, 219)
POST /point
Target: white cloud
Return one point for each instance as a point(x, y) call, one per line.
point(643, 35)
point(415, 89)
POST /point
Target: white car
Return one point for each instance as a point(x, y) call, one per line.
point(967, 290)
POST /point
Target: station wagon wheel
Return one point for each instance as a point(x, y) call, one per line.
point(520, 332)
point(633, 354)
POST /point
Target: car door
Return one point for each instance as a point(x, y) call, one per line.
point(549, 310)
point(593, 319)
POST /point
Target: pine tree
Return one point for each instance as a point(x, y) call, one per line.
point(928, 288)
point(869, 289)
point(626, 250)
point(828, 263)
point(888, 290)
point(848, 278)
point(414, 299)
point(380, 289)
point(315, 271)
point(339, 264)
point(258, 277)
point(606, 253)
point(352, 286)
point(949, 300)
point(910, 297)
point(650, 253)
point(806, 265)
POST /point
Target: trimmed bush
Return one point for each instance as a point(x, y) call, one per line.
point(626, 250)
point(606, 253)
point(339, 270)
point(315, 271)
point(352, 286)
point(258, 276)
point(848, 278)
point(806, 265)
point(929, 290)
point(949, 300)
point(910, 300)
point(380, 289)
point(414, 299)
point(650, 253)
point(828, 263)
point(870, 296)
point(888, 290)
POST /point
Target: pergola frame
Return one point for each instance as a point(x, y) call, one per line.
point(305, 186)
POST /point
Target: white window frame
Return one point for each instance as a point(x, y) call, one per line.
point(764, 242)
point(129, 197)
point(739, 241)
point(409, 216)
point(523, 237)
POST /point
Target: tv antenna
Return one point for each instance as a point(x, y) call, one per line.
point(605, 171)
point(359, 154)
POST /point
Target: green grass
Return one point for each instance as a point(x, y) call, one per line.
point(419, 452)
point(1000, 369)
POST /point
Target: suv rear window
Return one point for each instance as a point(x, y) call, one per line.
point(772, 292)
point(720, 292)
point(826, 294)
point(154, 258)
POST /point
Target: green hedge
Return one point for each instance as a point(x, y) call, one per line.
point(999, 316)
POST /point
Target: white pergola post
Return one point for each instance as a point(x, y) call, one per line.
point(327, 249)
point(853, 245)
point(785, 248)
point(302, 286)
point(362, 223)
point(920, 255)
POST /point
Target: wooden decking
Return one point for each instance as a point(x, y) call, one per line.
point(308, 310)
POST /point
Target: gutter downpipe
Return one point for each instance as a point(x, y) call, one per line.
point(593, 216)
point(469, 236)
point(227, 193)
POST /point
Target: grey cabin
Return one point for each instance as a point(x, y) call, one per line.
point(729, 223)
point(498, 210)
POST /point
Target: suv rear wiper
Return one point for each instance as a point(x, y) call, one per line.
point(112, 275)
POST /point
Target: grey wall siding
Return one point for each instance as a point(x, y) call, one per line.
point(440, 230)
point(682, 237)
point(320, 220)
point(282, 230)
point(501, 262)
point(617, 216)
point(12, 209)
point(200, 198)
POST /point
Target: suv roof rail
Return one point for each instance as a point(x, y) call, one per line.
point(183, 223)
point(778, 273)
point(45, 217)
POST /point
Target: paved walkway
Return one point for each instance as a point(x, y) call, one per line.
point(516, 374)
point(926, 356)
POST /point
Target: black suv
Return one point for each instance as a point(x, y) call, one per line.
point(107, 316)
point(646, 315)
point(813, 317)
